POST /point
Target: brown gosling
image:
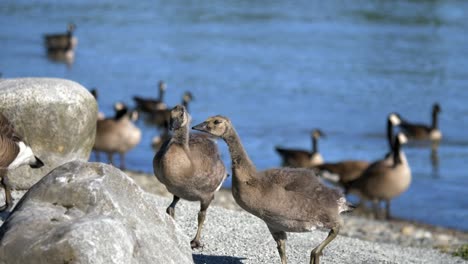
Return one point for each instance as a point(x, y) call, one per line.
point(297, 158)
point(118, 134)
point(190, 167)
point(149, 105)
point(287, 199)
point(14, 152)
point(385, 179)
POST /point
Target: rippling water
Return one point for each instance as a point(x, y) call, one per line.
point(277, 70)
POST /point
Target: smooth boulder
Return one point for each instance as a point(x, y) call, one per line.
point(57, 117)
point(90, 213)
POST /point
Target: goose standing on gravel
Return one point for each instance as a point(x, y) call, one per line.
point(422, 131)
point(385, 179)
point(346, 171)
point(190, 167)
point(14, 152)
point(300, 158)
point(118, 134)
point(149, 105)
point(287, 199)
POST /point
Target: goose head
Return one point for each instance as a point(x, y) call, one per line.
point(179, 117)
point(162, 86)
point(187, 97)
point(71, 27)
point(394, 119)
point(216, 125)
point(317, 133)
point(436, 108)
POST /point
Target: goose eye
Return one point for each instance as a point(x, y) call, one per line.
point(217, 122)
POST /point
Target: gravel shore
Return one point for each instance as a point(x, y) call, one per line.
point(231, 235)
point(396, 232)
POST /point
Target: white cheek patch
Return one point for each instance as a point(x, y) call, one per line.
point(394, 119)
point(402, 138)
point(25, 156)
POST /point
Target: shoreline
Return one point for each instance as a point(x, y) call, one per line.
point(397, 231)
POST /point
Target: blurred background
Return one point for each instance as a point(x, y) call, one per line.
point(278, 70)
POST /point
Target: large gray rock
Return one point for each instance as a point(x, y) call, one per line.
point(90, 213)
point(56, 117)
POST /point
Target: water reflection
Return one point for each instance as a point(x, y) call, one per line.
point(435, 163)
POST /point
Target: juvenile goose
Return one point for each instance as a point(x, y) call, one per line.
point(301, 158)
point(387, 178)
point(422, 131)
point(61, 40)
point(14, 152)
point(287, 199)
point(190, 167)
point(118, 134)
point(149, 105)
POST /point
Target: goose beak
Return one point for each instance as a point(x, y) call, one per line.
point(37, 164)
point(200, 127)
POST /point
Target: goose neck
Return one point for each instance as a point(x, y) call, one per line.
point(242, 167)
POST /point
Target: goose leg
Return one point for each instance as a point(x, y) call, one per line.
point(195, 243)
point(110, 157)
point(8, 199)
point(375, 208)
point(171, 209)
point(387, 210)
point(316, 252)
point(122, 161)
point(280, 238)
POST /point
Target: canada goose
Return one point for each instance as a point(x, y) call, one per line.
point(100, 114)
point(61, 40)
point(149, 105)
point(342, 172)
point(117, 134)
point(62, 54)
point(346, 171)
point(14, 152)
point(301, 158)
point(161, 118)
point(287, 199)
point(422, 131)
point(384, 179)
point(190, 167)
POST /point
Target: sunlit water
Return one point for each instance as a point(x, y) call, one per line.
point(277, 70)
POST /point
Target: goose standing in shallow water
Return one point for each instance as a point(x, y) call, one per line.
point(287, 199)
point(422, 131)
point(149, 105)
point(190, 167)
point(297, 158)
point(14, 152)
point(385, 179)
point(118, 134)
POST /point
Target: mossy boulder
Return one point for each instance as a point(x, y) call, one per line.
point(56, 117)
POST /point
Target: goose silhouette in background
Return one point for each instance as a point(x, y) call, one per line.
point(118, 134)
point(61, 40)
point(418, 131)
point(14, 152)
point(298, 158)
point(385, 179)
point(150, 105)
point(190, 167)
point(160, 118)
point(286, 199)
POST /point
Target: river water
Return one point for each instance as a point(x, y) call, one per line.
point(278, 70)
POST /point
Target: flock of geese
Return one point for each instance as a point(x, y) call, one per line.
point(288, 199)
